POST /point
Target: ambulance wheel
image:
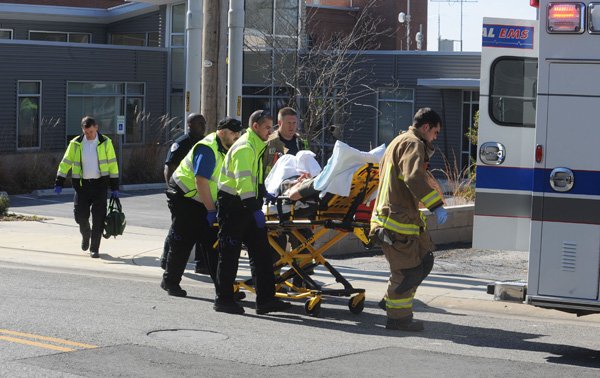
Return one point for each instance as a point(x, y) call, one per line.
point(356, 304)
point(313, 307)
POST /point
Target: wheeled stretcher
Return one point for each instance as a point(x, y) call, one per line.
point(334, 218)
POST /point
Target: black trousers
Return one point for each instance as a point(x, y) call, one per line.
point(237, 226)
point(90, 195)
point(188, 227)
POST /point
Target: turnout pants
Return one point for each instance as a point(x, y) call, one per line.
point(237, 227)
point(189, 226)
point(411, 261)
point(90, 194)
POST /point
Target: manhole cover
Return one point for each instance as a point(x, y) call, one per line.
point(187, 336)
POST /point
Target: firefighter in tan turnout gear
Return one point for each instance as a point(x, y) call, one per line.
point(398, 225)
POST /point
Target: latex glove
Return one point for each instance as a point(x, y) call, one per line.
point(114, 194)
point(211, 217)
point(57, 189)
point(441, 214)
point(259, 218)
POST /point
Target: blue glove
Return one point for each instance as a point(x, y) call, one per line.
point(441, 214)
point(269, 198)
point(57, 189)
point(259, 218)
point(114, 194)
point(211, 217)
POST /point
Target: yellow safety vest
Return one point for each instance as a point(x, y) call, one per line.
point(184, 174)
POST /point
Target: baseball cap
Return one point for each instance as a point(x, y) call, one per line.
point(230, 123)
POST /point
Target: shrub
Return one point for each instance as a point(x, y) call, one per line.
point(460, 183)
point(4, 204)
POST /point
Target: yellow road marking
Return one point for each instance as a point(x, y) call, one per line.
point(35, 343)
point(45, 338)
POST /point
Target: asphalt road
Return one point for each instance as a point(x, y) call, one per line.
point(86, 319)
point(125, 326)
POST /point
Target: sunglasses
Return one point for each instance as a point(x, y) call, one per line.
point(259, 116)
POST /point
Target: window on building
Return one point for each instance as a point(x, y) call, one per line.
point(513, 87)
point(105, 101)
point(149, 39)
point(6, 34)
point(470, 108)
point(330, 3)
point(270, 53)
point(176, 43)
point(29, 101)
point(53, 36)
point(396, 109)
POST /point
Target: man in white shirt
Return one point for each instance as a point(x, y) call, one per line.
point(91, 157)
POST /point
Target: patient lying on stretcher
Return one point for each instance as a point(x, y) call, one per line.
point(299, 177)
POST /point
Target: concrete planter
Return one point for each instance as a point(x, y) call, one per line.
point(457, 229)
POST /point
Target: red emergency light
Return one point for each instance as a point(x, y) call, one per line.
point(539, 153)
point(565, 17)
point(534, 3)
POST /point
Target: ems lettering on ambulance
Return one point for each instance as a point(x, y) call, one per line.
point(507, 36)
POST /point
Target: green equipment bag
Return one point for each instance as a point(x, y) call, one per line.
point(114, 224)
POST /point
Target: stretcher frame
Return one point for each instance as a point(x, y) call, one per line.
point(335, 213)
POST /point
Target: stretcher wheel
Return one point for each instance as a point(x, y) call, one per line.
point(356, 304)
point(313, 307)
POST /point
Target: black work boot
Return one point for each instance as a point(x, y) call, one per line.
point(173, 290)
point(85, 241)
point(405, 324)
point(274, 305)
point(228, 307)
point(95, 247)
point(382, 304)
point(86, 233)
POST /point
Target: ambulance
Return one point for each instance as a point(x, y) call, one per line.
point(538, 163)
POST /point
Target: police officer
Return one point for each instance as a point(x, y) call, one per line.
point(285, 140)
point(241, 220)
point(396, 222)
point(93, 164)
point(191, 196)
point(180, 147)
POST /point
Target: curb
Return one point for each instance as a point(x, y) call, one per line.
point(50, 192)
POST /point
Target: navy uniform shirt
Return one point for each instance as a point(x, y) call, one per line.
point(179, 149)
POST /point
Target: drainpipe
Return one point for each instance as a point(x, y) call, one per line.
point(235, 59)
point(193, 66)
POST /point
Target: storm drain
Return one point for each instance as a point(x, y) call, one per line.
point(187, 336)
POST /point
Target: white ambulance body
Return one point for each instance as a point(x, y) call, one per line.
point(538, 184)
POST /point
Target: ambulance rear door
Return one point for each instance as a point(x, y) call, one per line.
point(506, 136)
point(564, 261)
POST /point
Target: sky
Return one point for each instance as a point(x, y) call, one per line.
point(473, 13)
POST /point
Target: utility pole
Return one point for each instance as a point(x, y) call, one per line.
point(235, 60)
point(222, 66)
point(193, 73)
point(405, 18)
point(210, 63)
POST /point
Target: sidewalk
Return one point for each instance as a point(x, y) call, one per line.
point(55, 244)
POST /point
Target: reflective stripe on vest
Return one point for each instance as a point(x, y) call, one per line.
point(244, 179)
point(184, 174)
point(107, 160)
point(386, 221)
point(431, 198)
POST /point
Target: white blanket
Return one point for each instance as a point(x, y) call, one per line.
point(336, 177)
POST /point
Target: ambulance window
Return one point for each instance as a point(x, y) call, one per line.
point(513, 87)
